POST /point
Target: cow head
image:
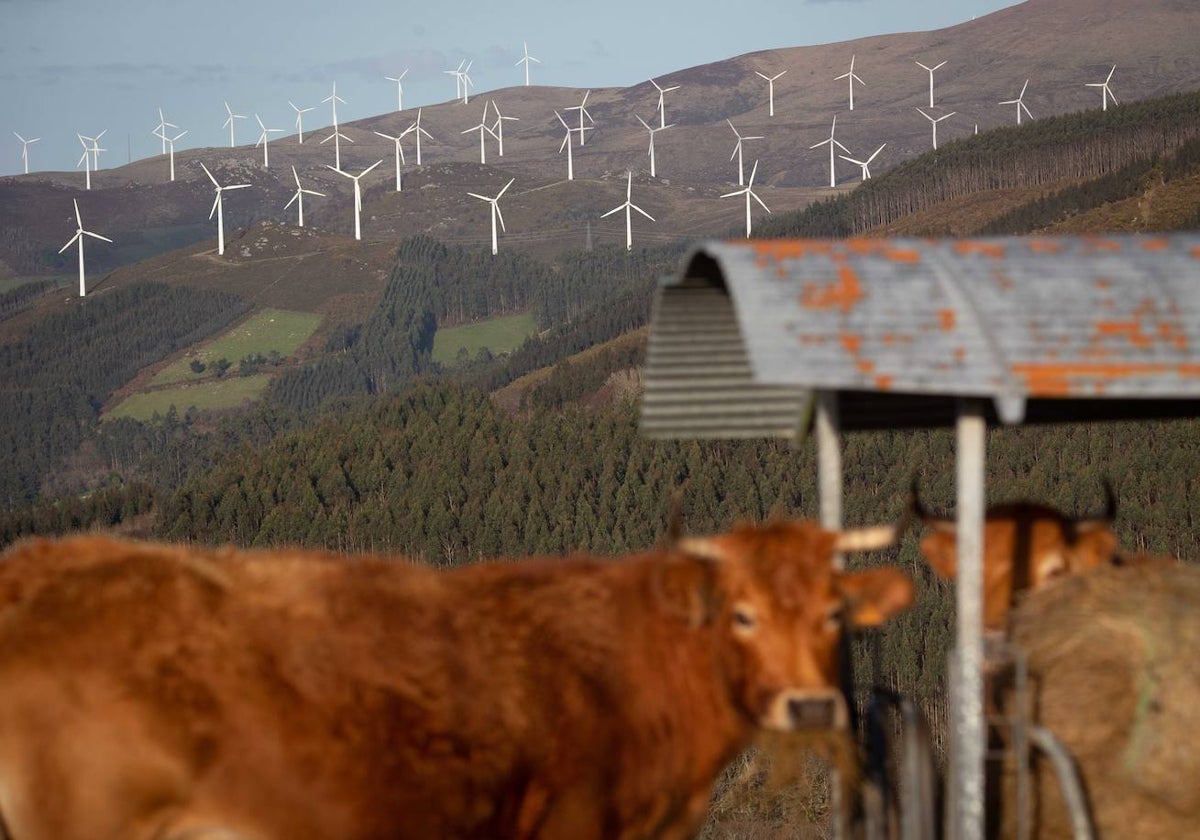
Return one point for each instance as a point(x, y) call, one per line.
point(778, 607)
point(1025, 546)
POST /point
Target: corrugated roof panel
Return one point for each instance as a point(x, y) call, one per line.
point(1014, 319)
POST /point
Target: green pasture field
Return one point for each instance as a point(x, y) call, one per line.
point(229, 392)
point(262, 332)
point(499, 335)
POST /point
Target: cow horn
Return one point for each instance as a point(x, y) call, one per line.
point(873, 537)
point(702, 548)
point(1106, 519)
point(938, 523)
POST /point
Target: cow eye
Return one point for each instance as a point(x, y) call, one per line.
point(744, 619)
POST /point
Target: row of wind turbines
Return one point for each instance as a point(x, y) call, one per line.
point(90, 157)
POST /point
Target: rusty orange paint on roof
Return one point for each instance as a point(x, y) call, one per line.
point(968, 247)
point(947, 319)
point(1130, 330)
point(782, 249)
point(864, 366)
point(1103, 283)
point(1196, 253)
point(1156, 245)
point(884, 382)
point(1045, 246)
point(904, 255)
point(851, 342)
point(1002, 279)
point(1054, 380)
point(1095, 243)
point(842, 294)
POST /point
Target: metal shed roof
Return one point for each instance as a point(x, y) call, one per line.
point(1045, 328)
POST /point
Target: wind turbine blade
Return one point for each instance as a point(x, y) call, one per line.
point(1022, 96)
point(668, 90)
point(293, 199)
point(210, 175)
point(605, 215)
point(750, 137)
point(640, 210)
point(1110, 74)
point(236, 187)
point(506, 186)
point(642, 121)
point(96, 139)
point(500, 216)
point(737, 146)
point(839, 145)
point(732, 194)
point(760, 75)
point(19, 137)
point(70, 242)
point(480, 197)
point(563, 144)
point(95, 235)
point(750, 183)
point(313, 192)
point(369, 168)
point(877, 151)
point(296, 176)
point(815, 146)
point(760, 201)
point(852, 160)
point(78, 221)
point(561, 120)
point(926, 116)
point(216, 201)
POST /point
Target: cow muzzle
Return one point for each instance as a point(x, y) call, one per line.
point(798, 710)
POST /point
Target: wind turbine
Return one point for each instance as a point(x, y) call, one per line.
point(770, 89)
point(262, 140)
point(583, 112)
point(399, 154)
point(96, 150)
point(333, 99)
point(171, 142)
point(627, 206)
point(496, 214)
point(160, 130)
point(853, 78)
point(832, 143)
point(219, 206)
point(1020, 103)
point(300, 112)
point(498, 128)
point(299, 197)
point(416, 128)
point(525, 60)
point(482, 127)
point(457, 73)
point(865, 164)
point(466, 81)
point(935, 122)
point(566, 144)
point(78, 237)
point(91, 155)
point(652, 131)
point(399, 80)
point(25, 149)
point(229, 122)
point(1105, 90)
point(930, 71)
point(749, 193)
point(737, 152)
point(662, 92)
point(357, 194)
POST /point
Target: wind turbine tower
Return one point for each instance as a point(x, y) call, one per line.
point(865, 164)
point(262, 140)
point(770, 89)
point(737, 151)
point(464, 76)
point(357, 195)
point(25, 149)
point(78, 237)
point(498, 128)
point(457, 73)
point(160, 130)
point(853, 78)
point(930, 71)
point(482, 128)
point(1020, 103)
point(496, 214)
point(298, 198)
point(300, 112)
point(91, 155)
point(749, 193)
point(229, 122)
point(333, 99)
point(566, 144)
point(416, 129)
point(399, 80)
point(219, 206)
point(662, 92)
point(399, 155)
point(935, 123)
point(171, 147)
point(583, 112)
point(1105, 90)
point(652, 131)
point(525, 60)
point(832, 142)
point(627, 206)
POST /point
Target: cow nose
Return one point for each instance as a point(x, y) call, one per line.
point(811, 712)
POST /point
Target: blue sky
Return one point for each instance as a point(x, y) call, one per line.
point(67, 66)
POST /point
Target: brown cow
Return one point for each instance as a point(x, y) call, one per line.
point(1025, 546)
point(170, 692)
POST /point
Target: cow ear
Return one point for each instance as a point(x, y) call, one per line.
point(686, 588)
point(873, 596)
point(1092, 548)
point(941, 550)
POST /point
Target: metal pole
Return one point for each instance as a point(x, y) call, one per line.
point(829, 464)
point(970, 729)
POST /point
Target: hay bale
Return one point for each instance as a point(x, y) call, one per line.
point(1114, 657)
